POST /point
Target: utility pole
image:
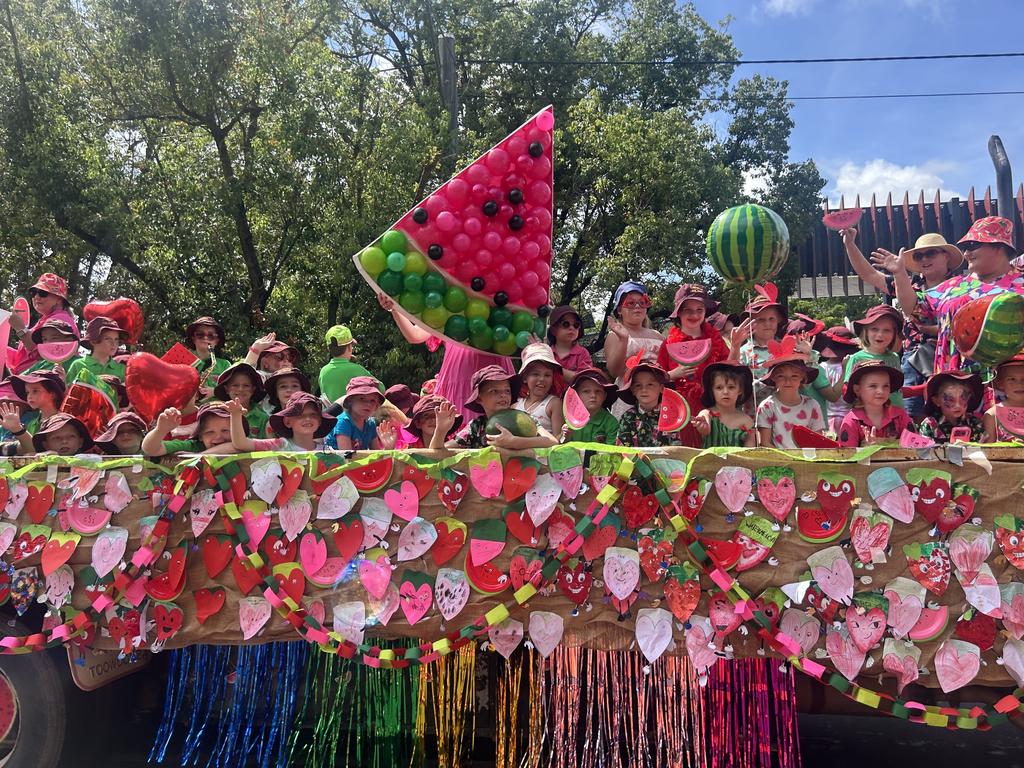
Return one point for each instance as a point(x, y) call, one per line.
point(448, 82)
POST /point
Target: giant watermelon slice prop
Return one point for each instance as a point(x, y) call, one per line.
point(689, 352)
point(471, 263)
point(990, 329)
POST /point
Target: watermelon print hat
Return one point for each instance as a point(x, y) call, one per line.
point(991, 229)
point(51, 283)
point(707, 397)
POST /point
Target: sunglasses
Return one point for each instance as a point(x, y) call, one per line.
point(207, 336)
point(38, 293)
point(636, 304)
point(922, 255)
point(971, 246)
point(570, 324)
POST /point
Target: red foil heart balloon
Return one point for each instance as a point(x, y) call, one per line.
point(154, 385)
point(90, 406)
point(125, 312)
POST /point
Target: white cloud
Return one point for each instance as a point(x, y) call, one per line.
point(754, 183)
point(880, 177)
point(787, 7)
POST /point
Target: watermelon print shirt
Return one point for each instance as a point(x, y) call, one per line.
point(780, 419)
point(639, 429)
point(939, 304)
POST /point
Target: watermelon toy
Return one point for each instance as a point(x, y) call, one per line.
point(575, 412)
point(675, 411)
point(837, 220)
point(689, 352)
point(57, 351)
point(1011, 419)
point(808, 438)
point(519, 423)
point(748, 244)
point(471, 263)
point(990, 330)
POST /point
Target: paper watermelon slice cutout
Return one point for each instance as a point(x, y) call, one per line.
point(471, 263)
point(574, 411)
point(838, 220)
point(689, 352)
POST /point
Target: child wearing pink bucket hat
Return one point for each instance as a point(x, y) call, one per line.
point(537, 373)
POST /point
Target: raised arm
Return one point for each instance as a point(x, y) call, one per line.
point(239, 440)
point(615, 345)
point(905, 293)
point(860, 265)
point(412, 332)
point(153, 442)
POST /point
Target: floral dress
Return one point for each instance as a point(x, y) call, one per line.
point(639, 429)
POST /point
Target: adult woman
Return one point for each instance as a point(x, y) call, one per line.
point(988, 247)
point(50, 302)
point(205, 337)
point(630, 332)
point(931, 261)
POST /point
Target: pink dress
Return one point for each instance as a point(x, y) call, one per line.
point(457, 369)
point(19, 359)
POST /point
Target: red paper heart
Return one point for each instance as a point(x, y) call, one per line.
point(55, 554)
point(208, 603)
point(520, 525)
point(348, 537)
point(294, 584)
point(216, 554)
point(125, 312)
point(448, 543)
point(423, 482)
point(682, 597)
point(575, 582)
point(638, 509)
point(278, 549)
point(521, 572)
point(154, 385)
point(5, 492)
point(39, 501)
point(653, 555)
point(980, 629)
point(168, 620)
point(519, 476)
point(599, 540)
point(246, 577)
point(290, 480)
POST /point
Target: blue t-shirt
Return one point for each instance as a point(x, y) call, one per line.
point(361, 438)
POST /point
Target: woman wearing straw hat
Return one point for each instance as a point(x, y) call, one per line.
point(931, 261)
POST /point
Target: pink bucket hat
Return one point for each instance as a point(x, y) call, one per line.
point(991, 229)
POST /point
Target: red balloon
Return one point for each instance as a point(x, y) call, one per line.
point(154, 385)
point(90, 406)
point(125, 312)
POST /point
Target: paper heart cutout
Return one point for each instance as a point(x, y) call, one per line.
point(1012, 607)
point(845, 655)
point(776, 491)
point(451, 592)
point(350, 621)
point(168, 620)
point(295, 514)
point(209, 602)
point(560, 527)
point(376, 518)
point(312, 552)
point(520, 474)
point(802, 627)
point(520, 525)
point(291, 579)
point(621, 571)
point(416, 539)
point(1013, 660)
point(216, 554)
point(59, 585)
point(682, 597)
point(349, 536)
point(486, 477)
point(983, 591)
point(291, 477)
point(574, 581)
point(17, 496)
point(451, 489)
point(415, 600)
point(521, 572)
point(604, 535)
point(265, 479)
point(832, 571)
point(278, 549)
point(246, 577)
point(154, 385)
point(256, 520)
point(375, 575)
point(506, 637)
point(968, 550)
point(337, 500)
point(903, 668)
point(81, 481)
point(865, 629)
point(404, 501)
point(570, 480)
point(904, 608)
point(722, 615)
point(7, 533)
point(253, 614)
point(315, 609)
point(700, 647)
point(733, 486)
point(542, 498)
point(931, 568)
point(869, 536)
point(956, 664)
point(117, 493)
point(39, 502)
point(384, 608)
point(451, 535)
point(638, 509)
point(58, 550)
point(108, 549)
point(653, 632)
point(546, 630)
point(203, 507)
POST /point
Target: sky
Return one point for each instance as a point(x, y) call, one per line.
point(877, 146)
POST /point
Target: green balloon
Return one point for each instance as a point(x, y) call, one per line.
point(393, 241)
point(415, 262)
point(501, 333)
point(373, 260)
point(457, 328)
point(506, 347)
point(396, 261)
point(411, 302)
point(412, 283)
point(434, 282)
point(477, 325)
point(522, 339)
point(482, 340)
point(432, 299)
point(522, 321)
point(500, 316)
point(435, 317)
point(390, 282)
point(539, 327)
point(477, 308)
point(455, 299)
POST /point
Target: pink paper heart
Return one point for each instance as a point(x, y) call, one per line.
point(295, 514)
point(846, 657)
point(653, 632)
point(82, 480)
point(7, 533)
point(836, 580)
point(802, 628)
point(897, 503)
point(1013, 615)
point(969, 554)
point(415, 601)
point(699, 647)
point(571, 480)
point(338, 499)
point(487, 478)
point(253, 613)
point(108, 549)
point(865, 629)
point(904, 612)
point(204, 506)
point(956, 663)
point(416, 539)
point(451, 592)
point(403, 501)
point(542, 498)
point(265, 479)
point(16, 498)
point(1013, 660)
point(733, 485)
point(777, 498)
point(867, 538)
point(350, 621)
point(257, 523)
point(315, 608)
point(117, 494)
point(59, 585)
point(983, 591)
point(375, 575)
point(903, 668)
point(312, 552)
point(546, 631)
point(506, 637)
point(621, 571)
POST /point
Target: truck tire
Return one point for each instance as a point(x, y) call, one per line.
point(33, 710)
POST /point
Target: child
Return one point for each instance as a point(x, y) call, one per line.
point(243, 383)
point(205, 337)
point(43, 391)
point(103, 338)
point(284, 383)
point(123, 435)
point(727, 387)
point(50, 302)
point(692, 305)
point(335, 376)
point(356, 428)
point(211, 433)
point(565, 328)
point(491, 391)
point(881, 335)
point(768, 322)
point(1008, 379)
point(433, 419)
point(638, 426)
point(951, 400)
point(268, 355)
point(63, 435)
point(833, 346)
point(12, 405)
point(537, 372)
point(53, 331)
point(785, 407)
point(597, 394)
point(873, 419)
point(300, 426)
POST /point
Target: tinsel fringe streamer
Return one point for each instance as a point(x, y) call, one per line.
point(452, 680)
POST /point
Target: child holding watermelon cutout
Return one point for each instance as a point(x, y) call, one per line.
point(597, 394)
point(727, 387)
point(565, 327)
point(642, 388)
point(49, 297)
point(684, 359)
point(873, 418)
point(1004, 422)
point(786, 408)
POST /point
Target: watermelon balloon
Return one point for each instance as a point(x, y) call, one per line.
point(748, 244)
point(471, 263)
point(990, 330)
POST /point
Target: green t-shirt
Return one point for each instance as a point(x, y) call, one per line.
point(891, 359)
point(335, 376)
point(89, 363)
point(183, 446)
point(602, 428)
point(39, 365)
point(814, 390)
point(258, 420)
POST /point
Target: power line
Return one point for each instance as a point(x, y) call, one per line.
point(736, 62)
point(849, 97)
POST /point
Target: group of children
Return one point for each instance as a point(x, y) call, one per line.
point(767, 381)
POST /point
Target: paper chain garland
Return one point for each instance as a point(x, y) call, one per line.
point(631, 463)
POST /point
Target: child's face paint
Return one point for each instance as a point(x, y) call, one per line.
point(39, 397)
point(725, 391)
point(873, 390)
point(646, 388)
point(539, 379)
point(66, 441)
point(495, 396)
point(128, 440)
point(592, 394)
point(880, 335)
point(215, 430)
point(240, 387)
point(287, 387)
point(305, 423)
point(952, 400)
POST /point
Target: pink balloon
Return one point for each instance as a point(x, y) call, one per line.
point(545, 244)
point(514, 291)
point(484, 258)
point(540, 136)
point(514, 181)
point(529, 280)
point(479, 193)
point(510, 246)
point(465, 270)
point(491, 282)
point(545, 120)
point(427, 235)
point(457, 191)
point(435, 204)
point(507, 272)
point(446, 221)
point(477, 174)
point(538, 193)
point(543, 270)
point(505, 212)
point(536, 297)
point(461, 243)
point(472, 226)
point(494, 193)
point(530, 250)
point(492, 241)
point(496, 161)
point(517, 145)
point(524, 164)
point(543, 215)
point(541, 168)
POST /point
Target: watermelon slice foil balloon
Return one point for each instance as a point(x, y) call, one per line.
point(837, 220)
point(471, 263)
point(674, 413)
point(990, 330)
point(689, 352)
